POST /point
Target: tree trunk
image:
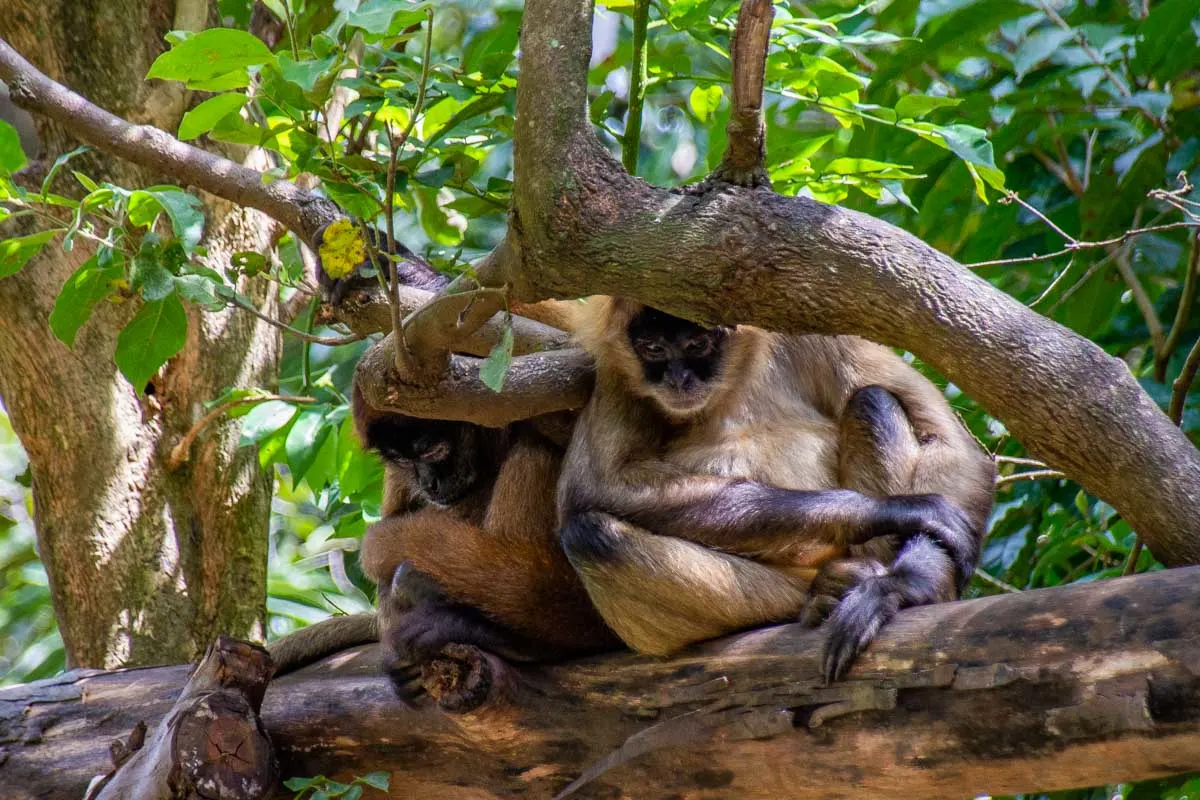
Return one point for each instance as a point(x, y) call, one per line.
point(1048, 689)
point(145, 566)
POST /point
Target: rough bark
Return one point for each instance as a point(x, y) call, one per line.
point(144, 566)
point(1055, 688)
point(734, 255)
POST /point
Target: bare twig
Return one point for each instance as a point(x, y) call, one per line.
point(994, 581)
point(1013, 197)
point(1158, 338)
point(1135, 553)
point(745, 150)
point(328, 341)
point(1033, 475)
point(179, 453)
point(1183, 384)
point(1024, 462)
point(631, 141)
point(1163, 357)
point(301, 211)
point(1072, 248)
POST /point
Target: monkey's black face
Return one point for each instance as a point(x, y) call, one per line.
point(450, 459)
point(680, 360)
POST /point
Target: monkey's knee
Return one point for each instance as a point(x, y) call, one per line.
point(592, 539)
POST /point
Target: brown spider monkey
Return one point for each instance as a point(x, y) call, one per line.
point(727, 478)
point(467, 550)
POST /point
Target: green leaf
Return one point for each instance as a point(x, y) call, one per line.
point(150, 277)
point(353, 793)
point(12, 157)
point(86, 287)
point(16, 252)
point(1037, 47)
point(377, 780)
point(495, 368)
point(1168, 43)
point(158, 332)
point(916, 106)
point(199, 290)
point(705, 100)
point(210, 54)
point(58, 165)
point(265, 419)
point(385, 17)
point(304, 441)
point(435, 178)
point(300, 784)
point(248, 262)
point(204, 117)
point(306, 72)
point(186, 213)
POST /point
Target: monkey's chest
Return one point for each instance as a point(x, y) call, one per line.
point(794, 453)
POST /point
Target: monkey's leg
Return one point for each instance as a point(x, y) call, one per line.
point(660, 594)
point(523, 583)
point(878, 453)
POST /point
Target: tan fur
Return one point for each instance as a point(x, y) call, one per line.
point(775, 418)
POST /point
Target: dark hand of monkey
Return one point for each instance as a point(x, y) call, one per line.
point(418, 621)
point(919, 576)
point(934, 517)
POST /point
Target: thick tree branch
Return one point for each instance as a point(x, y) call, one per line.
point(301, 211)
point(795, 265)
point(1048, 689)
point(558, 380)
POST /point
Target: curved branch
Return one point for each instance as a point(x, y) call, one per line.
point(791, 264)
point(559, 380)
point(301, 211)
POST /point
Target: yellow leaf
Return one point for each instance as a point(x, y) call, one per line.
point(342, 248)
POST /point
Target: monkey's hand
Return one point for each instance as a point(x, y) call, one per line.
point(932, 516)
point(417, 621)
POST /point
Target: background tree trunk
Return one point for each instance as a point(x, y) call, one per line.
point(145, 566)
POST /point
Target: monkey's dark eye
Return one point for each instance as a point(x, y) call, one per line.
point(439, 451)
point(698, 348)
point(651, 351)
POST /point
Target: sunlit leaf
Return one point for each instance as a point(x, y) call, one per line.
point(211, 54)
point(156, 333)
point(204, 117)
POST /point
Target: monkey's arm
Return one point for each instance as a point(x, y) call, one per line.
point(606, 472)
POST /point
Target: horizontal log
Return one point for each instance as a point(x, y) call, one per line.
point(1075, 686)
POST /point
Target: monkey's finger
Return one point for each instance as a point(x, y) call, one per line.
point(817, 609)
point(407, 685)
point(854, 623)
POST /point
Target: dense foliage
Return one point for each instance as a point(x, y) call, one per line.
point(925, 112)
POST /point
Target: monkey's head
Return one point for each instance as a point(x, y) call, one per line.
point(448, 459)
point(679, 365)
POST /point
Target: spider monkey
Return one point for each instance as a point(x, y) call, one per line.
point(467, 550)
point(726, 478)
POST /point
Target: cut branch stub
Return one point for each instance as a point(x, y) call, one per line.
point(745, 151)
point(211, 743)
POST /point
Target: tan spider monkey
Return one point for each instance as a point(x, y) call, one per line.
point(719, 477)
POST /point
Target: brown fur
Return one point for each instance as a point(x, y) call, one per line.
point(692, 566)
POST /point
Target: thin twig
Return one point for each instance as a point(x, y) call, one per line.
point(994, 581)
point(1127, 235)
point(1182, 314)
point(1158, 339)
point(632, 140)
point(1034, 475)
point(1013, 197)
point(328, 341)
point(1135, 553)
point(1183, 384)
point(179, 453)
point(1024, 462)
